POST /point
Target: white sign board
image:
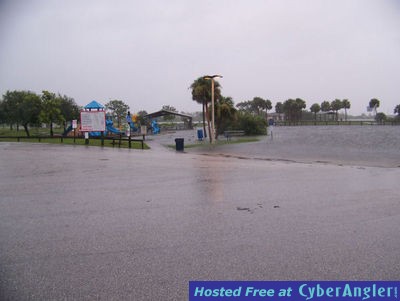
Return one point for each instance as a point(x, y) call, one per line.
point(93, 121)
point(74, 124)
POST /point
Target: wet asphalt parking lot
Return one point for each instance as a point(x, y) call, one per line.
point(85, 223)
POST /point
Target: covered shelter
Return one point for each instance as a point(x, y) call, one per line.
point(187, 118)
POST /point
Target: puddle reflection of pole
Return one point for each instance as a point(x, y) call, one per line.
point(210, 181)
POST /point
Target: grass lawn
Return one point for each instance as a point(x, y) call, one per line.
point(80, 141)
point(234, 140)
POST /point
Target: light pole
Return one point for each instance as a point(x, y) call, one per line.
point(212, 105)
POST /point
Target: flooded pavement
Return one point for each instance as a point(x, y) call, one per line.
point(347, 145)
point(85, 223)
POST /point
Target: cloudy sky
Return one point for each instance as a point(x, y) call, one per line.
point(147, 53)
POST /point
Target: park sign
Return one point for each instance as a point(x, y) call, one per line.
point(93, 121)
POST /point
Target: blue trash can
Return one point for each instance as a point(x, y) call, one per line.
point(200, 134)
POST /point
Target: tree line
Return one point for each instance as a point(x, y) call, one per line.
point(27, 108)
point(251, 115)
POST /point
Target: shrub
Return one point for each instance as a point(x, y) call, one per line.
point(251, 124)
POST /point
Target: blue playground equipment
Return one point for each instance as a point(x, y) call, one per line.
point(155, 127)
point(133, 126)
point(109, 126)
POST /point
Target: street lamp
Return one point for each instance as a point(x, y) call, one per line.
point(212, 105)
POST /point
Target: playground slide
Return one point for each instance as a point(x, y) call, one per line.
point(155, 127)
point(113, 130)
point(95, 134)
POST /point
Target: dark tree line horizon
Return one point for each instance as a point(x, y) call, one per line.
point(27, 108)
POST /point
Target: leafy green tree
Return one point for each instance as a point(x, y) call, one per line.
point(251, 124)
point(118, 110)
point(22, 107)
point(279, 108)
point(69, 109)
point(10, 106)
point(374, 104)
point(336, 105)
point(51, 110)
point(201, 93)
point(346, 105)
point(141, 118)
point(380, 117)
point(225, 114)
point(315, 108)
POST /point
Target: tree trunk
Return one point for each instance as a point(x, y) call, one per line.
point(51, 129)
point(26, 129)
point(204, 122)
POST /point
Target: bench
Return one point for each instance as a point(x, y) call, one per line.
point(229, 134)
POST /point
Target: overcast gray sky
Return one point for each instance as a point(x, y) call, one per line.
point(147, 53)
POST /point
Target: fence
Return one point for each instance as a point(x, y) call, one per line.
point(115, 140)
point(331, 122)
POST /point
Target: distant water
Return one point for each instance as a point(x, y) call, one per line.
point(359, 145)
point(375, 138)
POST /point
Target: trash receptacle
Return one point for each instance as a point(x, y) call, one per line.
point(179, 144)
point(200, 134)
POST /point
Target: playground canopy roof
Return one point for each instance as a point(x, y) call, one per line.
point(166, 112)
point(94, 105)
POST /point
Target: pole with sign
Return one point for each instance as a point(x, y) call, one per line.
point(74, 126)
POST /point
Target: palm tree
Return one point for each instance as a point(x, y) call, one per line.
point(225, 113)
point(336, 105)
point(325, 107)
point(346, 105)
point(300, 105)
point(201, 93)
point(315, 108)
point(397, 110)
point(374, 104)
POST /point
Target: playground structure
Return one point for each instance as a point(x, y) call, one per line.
point(155, 127)
point(133, 124)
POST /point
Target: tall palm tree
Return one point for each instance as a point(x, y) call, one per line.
point(336, 105)
point(325, 107)
point(346, 105)
point(374, 104)
point(201, 93)
point(225, 114)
